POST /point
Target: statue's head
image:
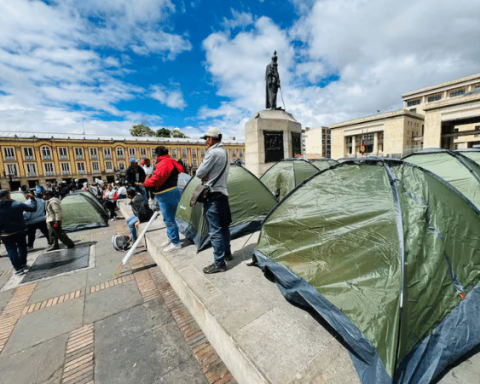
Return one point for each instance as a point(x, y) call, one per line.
point(274, 57)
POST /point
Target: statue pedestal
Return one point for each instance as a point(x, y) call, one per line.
point(272, 135)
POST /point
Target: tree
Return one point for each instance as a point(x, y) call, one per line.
point(164, 132)
point(141, 130)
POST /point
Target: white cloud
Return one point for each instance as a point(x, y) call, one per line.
point(239, 19)
point(172, 98)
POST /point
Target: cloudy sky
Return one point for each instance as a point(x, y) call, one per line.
point(100, 67)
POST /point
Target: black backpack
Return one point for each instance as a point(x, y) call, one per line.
point(121, 242)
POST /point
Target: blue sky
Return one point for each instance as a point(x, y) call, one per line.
point(100, 67)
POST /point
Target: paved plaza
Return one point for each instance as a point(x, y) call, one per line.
point(85, 326)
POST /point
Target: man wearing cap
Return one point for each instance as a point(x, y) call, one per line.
point(13, 229)
point(214, 170)
point(135, 176)
point(54, 222)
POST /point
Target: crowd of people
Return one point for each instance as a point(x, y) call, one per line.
point(148, 187)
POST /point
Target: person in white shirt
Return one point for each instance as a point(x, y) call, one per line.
point(148, 168)
point(121, 190)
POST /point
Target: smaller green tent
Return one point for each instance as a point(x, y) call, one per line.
point(286, 175)
point(324, 163)
point(18, 196)
point(471, 153)
point(80, 211)
point(250, 202)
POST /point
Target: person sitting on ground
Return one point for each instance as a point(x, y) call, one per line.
point(135, 176)
point(110, 197)
point(122, 191)
point(54, 223)
point(164, 185)
point(13, 229)
point(36, 220)
point(141, 212)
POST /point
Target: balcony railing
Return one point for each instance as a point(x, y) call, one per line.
point(47, 157)
point(108, 155)
point(31, 174)
point(109, 170)
point(79, 157)
point(13, 174)
point(96, 171)
point(9, 158)
point(50, 173)
point(29, 158)
point(63, 157)
point(120, 156)
point(66, 172)
point(82, 172)
point(92, 156)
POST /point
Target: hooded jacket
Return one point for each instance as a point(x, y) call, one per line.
point(165, 176)
point(54, 210)
point(11, 216)
point(37, 216)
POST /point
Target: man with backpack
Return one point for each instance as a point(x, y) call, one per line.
point(141, 212)
point(164, 186)
point(36, 220)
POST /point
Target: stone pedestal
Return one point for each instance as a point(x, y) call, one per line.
point(272, 135)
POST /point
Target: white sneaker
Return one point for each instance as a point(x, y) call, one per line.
point(165, 243)
point(172, 247)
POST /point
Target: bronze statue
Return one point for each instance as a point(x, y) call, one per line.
point(272, 79)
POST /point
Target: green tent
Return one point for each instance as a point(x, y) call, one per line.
point(324, 163)
point(389, 255)
point(472, 154)
point(287, 174)
point(250, 202)
point(82, 211)
point(18, 196)
point(455, 168)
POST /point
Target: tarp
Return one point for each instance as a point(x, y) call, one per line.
point(82, 211)
point(455, 168)
point(287, 174)
point(18, 196)
point(384, 251)
point(250, 202)
point(324, 163)
point(472, 154)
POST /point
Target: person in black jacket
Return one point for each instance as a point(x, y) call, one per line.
point(135, 176)
point(141, 212)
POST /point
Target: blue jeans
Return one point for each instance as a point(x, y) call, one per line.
point(131, 226)
point(16, 246)
point(143, 193)
point(218, 216)
point(168, 206)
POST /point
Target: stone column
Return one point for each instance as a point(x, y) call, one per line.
point(375, 144)
point(354, 144)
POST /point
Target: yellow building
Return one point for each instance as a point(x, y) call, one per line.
point(445, 115)
point(30, 158)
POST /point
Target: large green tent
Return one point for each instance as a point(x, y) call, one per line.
point(389, 255)
point(324, 163)
point(472, 154)
point(284, 176)
point(82, 211)
point(250, 202)
point(460, 171)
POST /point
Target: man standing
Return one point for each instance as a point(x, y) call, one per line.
point(164, 184)
point(35, 220)
point(214, 170)
point(13, 229)
point(54, 222)
point(110, 197)
point(135, 176)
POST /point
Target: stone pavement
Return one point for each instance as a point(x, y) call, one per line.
point(86, 326)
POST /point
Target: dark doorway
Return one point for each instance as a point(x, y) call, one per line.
point(15, 185)
point(32, 183)
point(110, 179)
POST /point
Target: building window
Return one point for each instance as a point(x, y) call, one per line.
point(81, 168)
point(31, 170)
point(49, 170)
point(46, 153)
point(194, 153)
point(63, 153)
point(28, 152)
point(174, 153)
point(202, 152)
point(434, 98)
point(413, 110)
point(108, 153)
point(240, 153)
point(93, 153)
point(12, 170)
point(184, 152)
point(65, 168)
point(143, 152)
point(477, 128)
point(234, 153)
point(411, 103)
point(95, 167)
point(153, 154)
point(194, 163)
point(109, 166)
point(457, 92)
point(121, 165)
point(131, 152)
point(79, 153)
point(9, 153)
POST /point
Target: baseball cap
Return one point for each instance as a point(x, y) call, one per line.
point(212, 132)
point(133, 160)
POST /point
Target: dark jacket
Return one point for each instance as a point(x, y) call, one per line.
point(165, 175)
point(141, 209)
point(11, 216)
point(130, 175)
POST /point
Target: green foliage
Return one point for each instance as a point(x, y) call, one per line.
point(141, 130)
point(163, 132)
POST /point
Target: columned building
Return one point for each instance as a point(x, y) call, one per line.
point(29, 158)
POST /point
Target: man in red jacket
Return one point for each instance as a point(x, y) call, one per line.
point(164, 185)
